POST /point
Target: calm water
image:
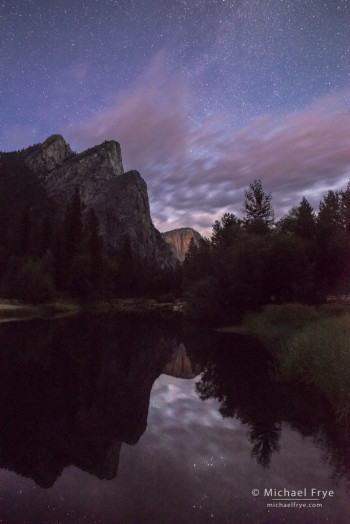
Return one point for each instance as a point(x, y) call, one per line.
point(127, 419)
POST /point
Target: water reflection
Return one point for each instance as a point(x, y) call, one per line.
point(237, 371)
point(72, 391)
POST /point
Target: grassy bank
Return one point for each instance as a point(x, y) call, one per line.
point(10, 311)
point(309, 343)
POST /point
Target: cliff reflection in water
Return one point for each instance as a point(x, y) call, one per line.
point(73, 390)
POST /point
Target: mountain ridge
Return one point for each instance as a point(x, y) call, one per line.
point(119, 199)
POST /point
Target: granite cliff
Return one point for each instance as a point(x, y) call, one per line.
point(179, 241)
point(96, 395)
point(119, 199)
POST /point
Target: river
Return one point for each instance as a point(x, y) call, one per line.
point(145, 419)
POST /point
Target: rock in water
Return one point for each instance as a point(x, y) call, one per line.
point(119, 199)
point(179, 241)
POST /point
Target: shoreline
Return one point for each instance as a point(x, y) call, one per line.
point(11, 310)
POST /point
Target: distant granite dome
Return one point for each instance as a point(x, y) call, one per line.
point(119, 199)
point(180, 365)
point(179, 241)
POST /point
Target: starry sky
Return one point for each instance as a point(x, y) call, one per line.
point(204, 96)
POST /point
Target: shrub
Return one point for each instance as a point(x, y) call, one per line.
point(28, 280)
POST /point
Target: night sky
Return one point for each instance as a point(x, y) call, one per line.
point(204, 96)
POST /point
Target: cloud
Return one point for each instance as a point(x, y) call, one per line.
point(197, 171)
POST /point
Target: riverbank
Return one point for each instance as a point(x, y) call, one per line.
point(12, 310)
point(310, 344)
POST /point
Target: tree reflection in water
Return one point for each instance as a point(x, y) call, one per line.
point(73, 390)
point(238, 372)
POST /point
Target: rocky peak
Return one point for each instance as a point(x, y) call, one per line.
point(105, 160)
point(49, 155)
point(119, 199)
point(179, 241)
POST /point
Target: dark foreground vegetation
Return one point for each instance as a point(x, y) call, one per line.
point(252, 261)
point(309, 345)
point(50, 252)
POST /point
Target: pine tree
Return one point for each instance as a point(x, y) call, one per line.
point(73, 225)
point(94, 246)
point(305, 220)
point(198, 262)
point(329, 218)
point(46, 235)
point(345, 208)
point(333, 246)
point(69, 272)
point(225, 231)
point(286, 224)
point(24, 233)
point(257, 208)
point(127, 275)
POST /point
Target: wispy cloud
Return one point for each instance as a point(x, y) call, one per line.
point(196, 171)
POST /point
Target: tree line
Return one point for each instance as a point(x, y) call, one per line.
point(42, 259)
point(247, 262)
point(255, 260)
